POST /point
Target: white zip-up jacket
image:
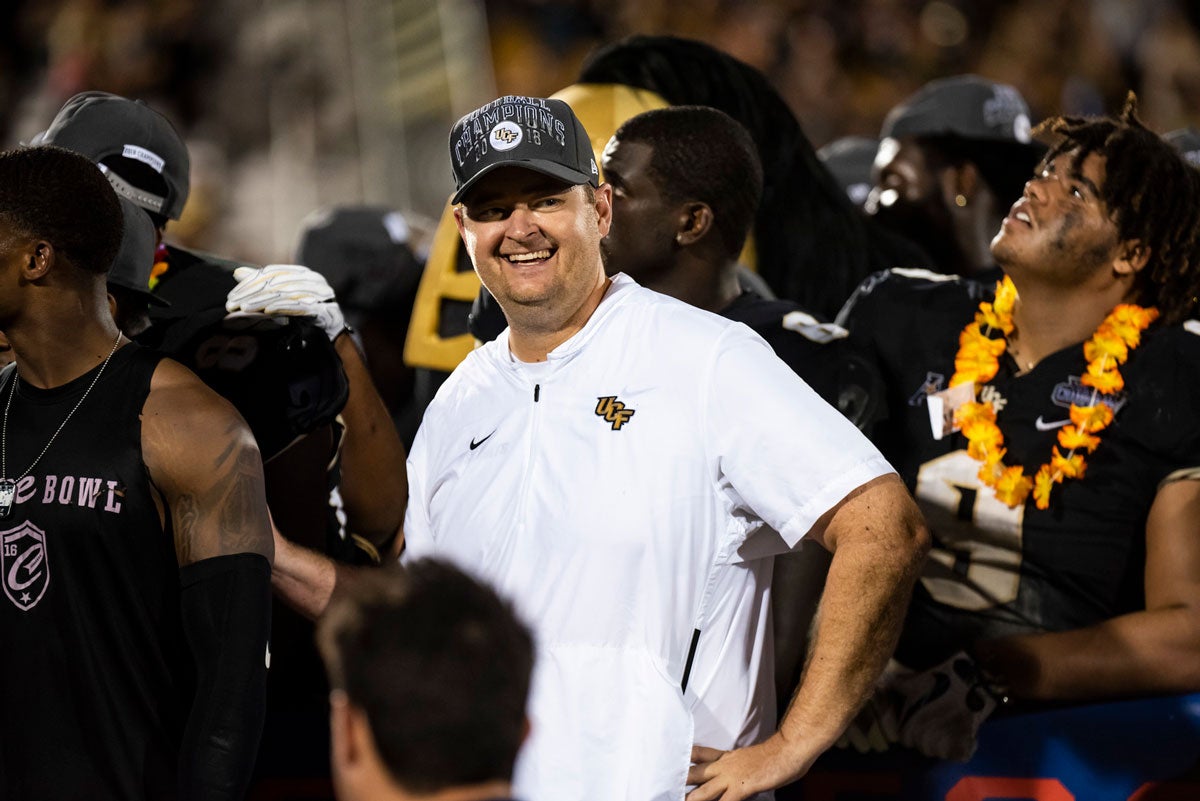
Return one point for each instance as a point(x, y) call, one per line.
point(625, 495)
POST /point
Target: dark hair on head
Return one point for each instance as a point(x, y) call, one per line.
point(50, 193)
point(702, 154)
point(441, 668)
point(1153, 195)
point(1004, 166)
point(813, 245)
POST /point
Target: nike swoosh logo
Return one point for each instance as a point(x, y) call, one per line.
point(475, 444)
point(1042, 425)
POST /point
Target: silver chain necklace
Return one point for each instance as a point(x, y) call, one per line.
point(8, 486)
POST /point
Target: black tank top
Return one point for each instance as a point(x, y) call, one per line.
point(95, 674)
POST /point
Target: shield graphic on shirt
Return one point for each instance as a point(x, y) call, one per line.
point(26, 568)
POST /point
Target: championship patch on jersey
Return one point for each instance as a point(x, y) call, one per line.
point(26, 568)
point(1073, 391)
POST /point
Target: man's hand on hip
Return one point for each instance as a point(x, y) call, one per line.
point(743, 772)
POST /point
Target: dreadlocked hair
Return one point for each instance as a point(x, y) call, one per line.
point(813, 246)
point(1154, 196)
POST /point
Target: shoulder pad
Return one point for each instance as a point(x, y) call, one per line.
point(810, 327)
point(928, 275)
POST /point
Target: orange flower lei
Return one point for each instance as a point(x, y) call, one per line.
point(978, 360)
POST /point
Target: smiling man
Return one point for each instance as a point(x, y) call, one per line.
point(612, 463)
point(1064, 512)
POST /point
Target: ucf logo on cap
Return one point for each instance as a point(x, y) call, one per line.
point(506, 135)
point(532, 132)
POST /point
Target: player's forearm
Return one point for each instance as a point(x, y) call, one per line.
point(373, 485)
point(862, 610)
point(303, 578)
point(1155, 651)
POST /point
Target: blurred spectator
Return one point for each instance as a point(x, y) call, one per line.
point(849, 160)
point(1187, 142)
point(365, 254)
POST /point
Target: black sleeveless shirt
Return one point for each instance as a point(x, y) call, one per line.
point(94, 671)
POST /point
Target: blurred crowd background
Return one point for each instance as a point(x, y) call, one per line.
point(290, 105)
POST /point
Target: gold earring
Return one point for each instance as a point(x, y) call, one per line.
point(960, 201)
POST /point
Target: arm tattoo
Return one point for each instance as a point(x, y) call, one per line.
point(230, 514)
point(239, 512)
point(187, 514)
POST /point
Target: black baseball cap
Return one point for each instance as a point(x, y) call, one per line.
point(131, 269)
point(1187, 142)
point(139, 150)
point(967, 106)
point(538, 134)
point(364, 253)
point(849, 160)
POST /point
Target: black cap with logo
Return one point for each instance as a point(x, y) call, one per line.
point(963, 105)
point(139, 150)
point(364, 253)
point(514, 131)
point(850, 160)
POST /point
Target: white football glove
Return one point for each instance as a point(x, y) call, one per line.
point(287, 289)
point(936, 711)
point(941, 709)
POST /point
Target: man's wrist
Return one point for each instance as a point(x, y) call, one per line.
point(996, 686)
point(1000, 662)
point(800, 746)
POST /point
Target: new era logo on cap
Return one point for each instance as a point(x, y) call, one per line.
point(530, 132)
point(147, 157)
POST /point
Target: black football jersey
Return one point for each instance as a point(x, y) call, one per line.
point(816, 351)
point(96, 675)
point(995, 570)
